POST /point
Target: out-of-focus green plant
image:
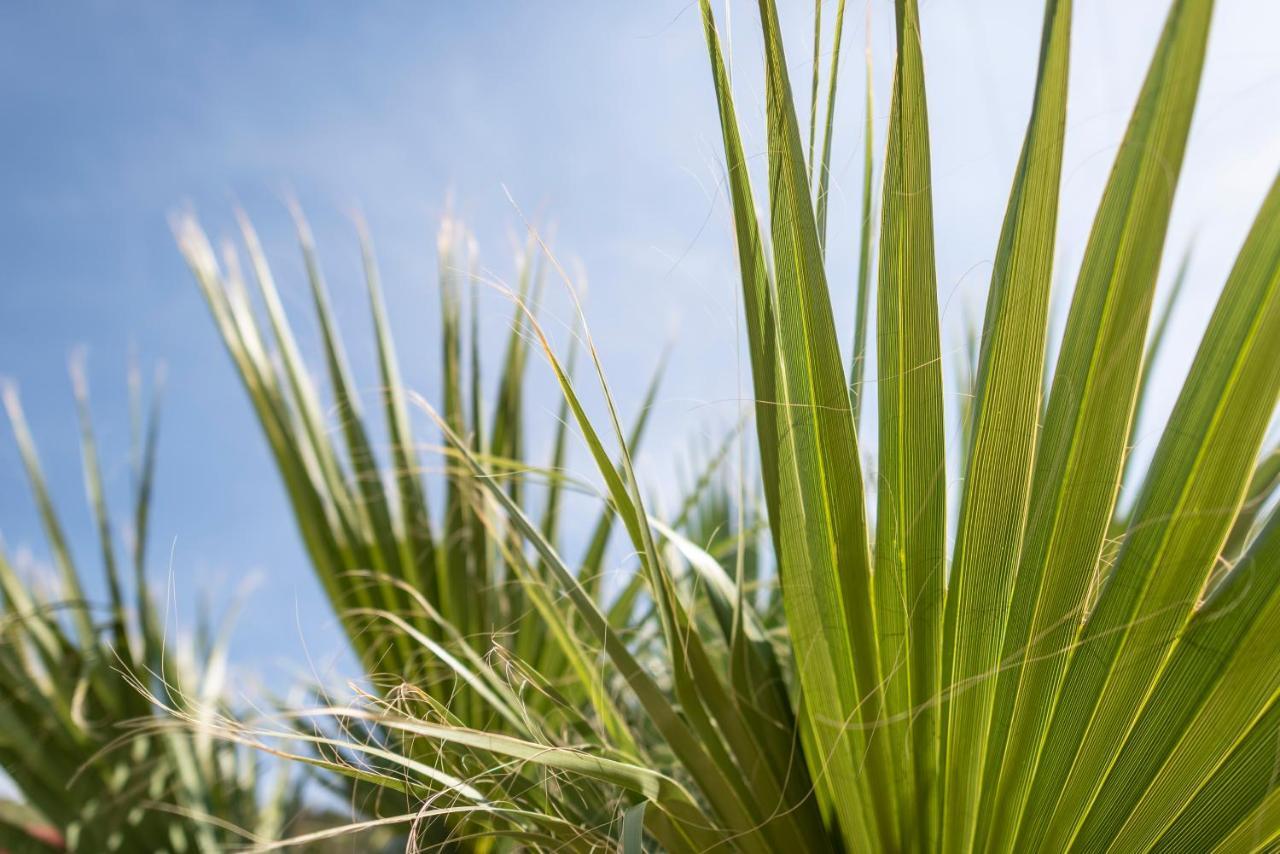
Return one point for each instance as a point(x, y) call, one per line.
point(97, 767)
point(373, 541)
point(449, 614)
point(1052, 674)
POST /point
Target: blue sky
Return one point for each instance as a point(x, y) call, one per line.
point(597, 117)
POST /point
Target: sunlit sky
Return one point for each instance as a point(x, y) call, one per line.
point(599, 121)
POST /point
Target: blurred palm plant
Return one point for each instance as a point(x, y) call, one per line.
point(97, 768)
point(444, 612)
point(1054, 674)
point(372, 539)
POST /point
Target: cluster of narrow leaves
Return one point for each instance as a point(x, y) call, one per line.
point(1056, 673)
point(454, 616)
point(97, 766)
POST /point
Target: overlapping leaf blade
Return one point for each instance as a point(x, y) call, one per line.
point(1191, 496)
point(910, 558)
point(1219, 679)
point(1004, 417)
point(1082, 446)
